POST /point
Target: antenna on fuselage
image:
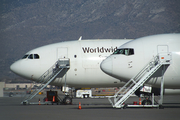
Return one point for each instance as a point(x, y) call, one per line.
point(80, 38)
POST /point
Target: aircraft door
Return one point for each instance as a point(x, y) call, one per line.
point(62, 52)
point(162, 49)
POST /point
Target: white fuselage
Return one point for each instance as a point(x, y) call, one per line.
point(124, 66)
point(85, 58)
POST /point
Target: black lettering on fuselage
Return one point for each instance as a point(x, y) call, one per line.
point(99, 50)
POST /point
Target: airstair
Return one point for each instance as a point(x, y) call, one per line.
point(143, 76)
point(58, 69)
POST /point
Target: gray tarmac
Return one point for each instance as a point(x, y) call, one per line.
point(92, 109)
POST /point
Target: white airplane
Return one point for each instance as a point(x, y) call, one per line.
point(131, 57)
point(152, 60)
point(85, 57)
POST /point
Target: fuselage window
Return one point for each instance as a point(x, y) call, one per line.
point(30, 56)
point(25, 56)
point(125, 51)
point(131, 51)
point(36, 56)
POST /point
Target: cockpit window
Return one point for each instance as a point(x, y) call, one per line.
point(125, 51)
point(30, 56)
point(36, 56)
point(25, 56)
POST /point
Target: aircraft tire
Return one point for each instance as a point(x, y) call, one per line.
point(146, 102)
point(67, 101)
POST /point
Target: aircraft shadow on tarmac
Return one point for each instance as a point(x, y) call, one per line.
point(170, 105)
point(105, 106)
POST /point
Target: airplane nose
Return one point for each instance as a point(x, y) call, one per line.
point(18, 69)
point(25, 70)
point(15, 67)
point(106, 66)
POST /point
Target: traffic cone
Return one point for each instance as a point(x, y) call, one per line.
point(39, 102)
point(79, 107)
point(53, 98)
point(139, 101)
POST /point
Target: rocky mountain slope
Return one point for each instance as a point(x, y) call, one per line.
point(25, 25)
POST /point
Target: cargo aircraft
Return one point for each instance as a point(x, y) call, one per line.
point(152, 60)
point(70, 63)
point(84, 58)
point(75, 64)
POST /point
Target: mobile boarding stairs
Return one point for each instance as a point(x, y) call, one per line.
point(58, 69)
point(137, 81)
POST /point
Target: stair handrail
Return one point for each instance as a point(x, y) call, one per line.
point(134, 88)
point(155, 63)
point(52, 71)
point(154, 59)
point(152, 63)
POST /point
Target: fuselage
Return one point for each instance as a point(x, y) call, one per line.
point(85, 58)
point(132, 57)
